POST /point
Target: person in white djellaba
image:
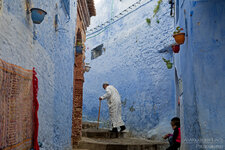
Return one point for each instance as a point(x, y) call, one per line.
point(114, 104)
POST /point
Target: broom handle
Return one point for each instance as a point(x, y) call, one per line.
point(99, 113)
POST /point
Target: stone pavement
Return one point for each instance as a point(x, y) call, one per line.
point(102, 139)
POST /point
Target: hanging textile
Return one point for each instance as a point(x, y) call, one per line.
point(18, 108)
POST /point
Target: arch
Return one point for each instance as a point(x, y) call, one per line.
point(79, 37)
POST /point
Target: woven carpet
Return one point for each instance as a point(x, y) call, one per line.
point(18, 108)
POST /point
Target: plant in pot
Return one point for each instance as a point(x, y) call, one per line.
point(168, 63)
point(148, 20)
point(87, 67)
point(79, 48)
point(179, 36)
point(157, 21)
point(176, 48)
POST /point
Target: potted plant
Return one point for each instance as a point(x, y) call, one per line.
point(79, 48)
point(179, 36)
point(148, 20)
point(168, 63)
point(87, 67)
point(176, 48)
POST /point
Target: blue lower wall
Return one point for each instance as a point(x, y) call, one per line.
point(52, 54)
point(201, 66)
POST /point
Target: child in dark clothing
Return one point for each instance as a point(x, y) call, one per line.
point(175, 138)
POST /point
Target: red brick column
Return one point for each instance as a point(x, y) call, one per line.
point(77, 100)
point(85, 9)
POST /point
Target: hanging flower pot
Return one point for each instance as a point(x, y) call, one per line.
point(176, 48)
point(79, 49)
point(168, 63)
point(87, 67)
point(179, 36)
point(37, 15)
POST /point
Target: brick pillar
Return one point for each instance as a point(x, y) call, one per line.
point(77, 100)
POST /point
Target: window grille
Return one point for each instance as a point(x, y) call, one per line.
point(96, 52)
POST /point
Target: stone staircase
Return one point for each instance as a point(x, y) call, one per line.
point(102, 139)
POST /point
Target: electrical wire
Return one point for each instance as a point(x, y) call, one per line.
point(111, 18)
point(97, 34)
point(111, 13)
point(114, 21)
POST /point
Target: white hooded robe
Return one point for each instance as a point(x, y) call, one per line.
point(114, 104)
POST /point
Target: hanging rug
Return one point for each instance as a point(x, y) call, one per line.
point(18, 108)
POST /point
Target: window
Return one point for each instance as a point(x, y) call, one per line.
point(96, 52)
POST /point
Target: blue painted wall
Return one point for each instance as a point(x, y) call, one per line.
point(133, 65)
point(201, 66)
point(52, 54)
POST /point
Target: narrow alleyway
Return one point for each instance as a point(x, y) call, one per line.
point(154, 69)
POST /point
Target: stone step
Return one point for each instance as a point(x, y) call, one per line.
point(102, 133)
point(121, 144)
point(88, 125)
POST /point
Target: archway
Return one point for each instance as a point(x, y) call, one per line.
point(78, 37)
